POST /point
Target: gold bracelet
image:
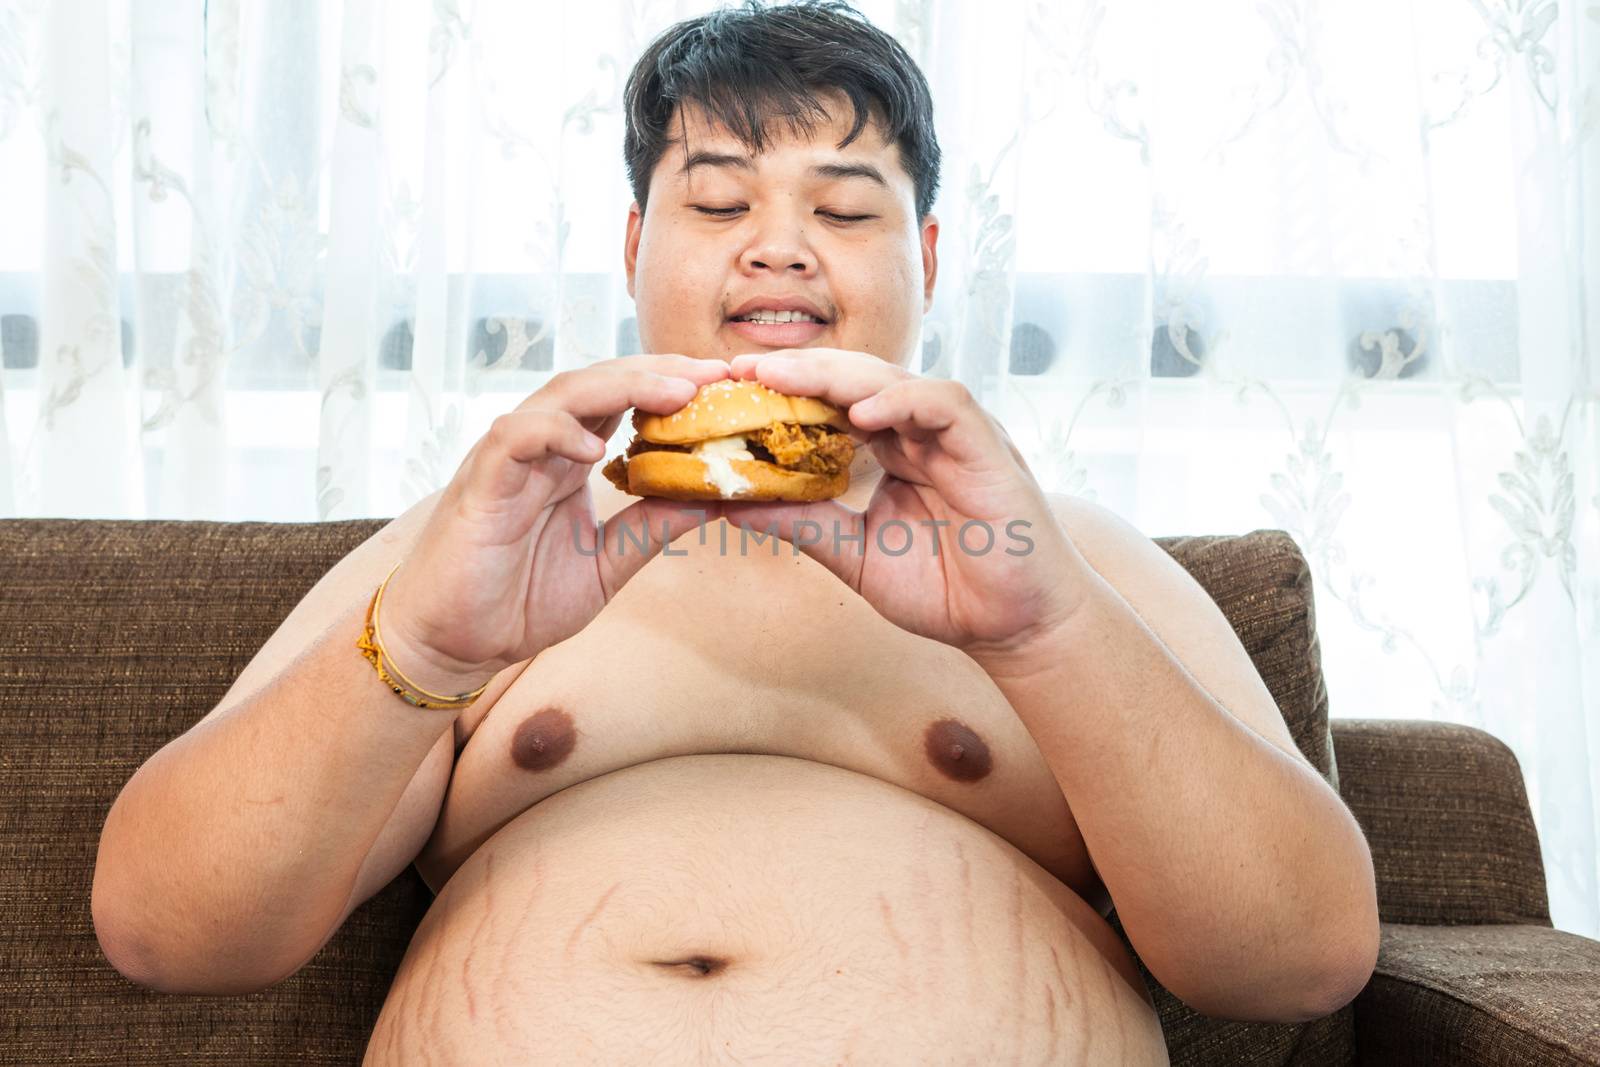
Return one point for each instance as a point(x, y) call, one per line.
point(371, 645)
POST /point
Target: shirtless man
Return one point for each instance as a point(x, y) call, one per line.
point(845, 805)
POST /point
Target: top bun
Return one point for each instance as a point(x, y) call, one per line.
point(735, 406)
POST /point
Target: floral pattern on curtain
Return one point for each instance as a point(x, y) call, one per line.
point(1327, 268)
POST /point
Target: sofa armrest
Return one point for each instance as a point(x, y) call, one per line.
point(1446, 816)
point(1480, 996)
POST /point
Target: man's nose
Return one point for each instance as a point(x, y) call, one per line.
point(779, 247)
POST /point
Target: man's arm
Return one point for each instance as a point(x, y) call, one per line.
point(1238, 874)
point(239, 847)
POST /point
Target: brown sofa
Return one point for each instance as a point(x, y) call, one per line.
point(117, 636)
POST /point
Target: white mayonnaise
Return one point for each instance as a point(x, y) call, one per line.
point(717, 454)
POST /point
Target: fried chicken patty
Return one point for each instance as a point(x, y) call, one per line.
point(807, 449)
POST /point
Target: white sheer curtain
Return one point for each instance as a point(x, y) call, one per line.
point(1326, 267)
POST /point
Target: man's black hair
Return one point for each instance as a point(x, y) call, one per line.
point(745, 66)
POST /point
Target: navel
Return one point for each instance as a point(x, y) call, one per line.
point(697, 966)
point(543, 740)
point(956, 750)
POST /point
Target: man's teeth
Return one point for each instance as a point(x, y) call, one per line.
point(778, 316)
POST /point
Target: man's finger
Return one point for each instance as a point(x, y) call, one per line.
point(701, 370)
point(654, 367)
point(841, 378)
point(923, 409)
point(518, 438)
point(592, 393)
point(891, 456)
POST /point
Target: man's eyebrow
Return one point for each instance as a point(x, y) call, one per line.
point(849, 170)
point(836, 171)
point(704, 158)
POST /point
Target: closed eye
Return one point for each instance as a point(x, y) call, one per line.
point(729, 212)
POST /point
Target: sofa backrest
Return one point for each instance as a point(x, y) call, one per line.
point(116, 636)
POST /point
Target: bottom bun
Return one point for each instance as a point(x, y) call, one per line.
point(681, 476)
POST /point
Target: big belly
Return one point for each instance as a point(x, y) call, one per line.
point(727, 908)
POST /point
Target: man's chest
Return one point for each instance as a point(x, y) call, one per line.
point(732, 647)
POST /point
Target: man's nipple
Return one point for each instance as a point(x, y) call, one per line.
point(543, 740)
point(956, 750)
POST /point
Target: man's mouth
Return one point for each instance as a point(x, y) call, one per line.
point(778, 329)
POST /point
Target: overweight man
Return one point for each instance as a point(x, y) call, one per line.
point(785, 801)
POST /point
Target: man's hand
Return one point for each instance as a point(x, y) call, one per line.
point(510, 561)
point(958, 542)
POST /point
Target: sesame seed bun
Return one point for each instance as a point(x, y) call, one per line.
point(734, 406)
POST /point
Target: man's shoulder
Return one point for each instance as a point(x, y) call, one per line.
point(1177, 609)
point(1097, 531)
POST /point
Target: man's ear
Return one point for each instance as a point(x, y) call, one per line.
point(930, 259)
point(630, 242)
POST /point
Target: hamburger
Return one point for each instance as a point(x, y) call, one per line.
point(738, 440)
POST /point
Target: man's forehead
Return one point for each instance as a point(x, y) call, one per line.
point(700, 142)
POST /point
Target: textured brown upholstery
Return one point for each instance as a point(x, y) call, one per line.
point(1447, 820)
point(117, 636)
point(1501, 995)
point(1469, 970)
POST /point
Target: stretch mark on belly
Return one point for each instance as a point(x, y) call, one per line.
point(888, 921)
point(543, 740)
point(588, 920)
point(956, 750)
point(698, 965)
